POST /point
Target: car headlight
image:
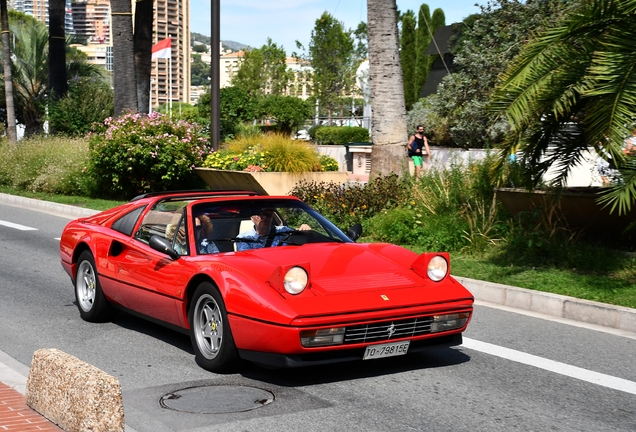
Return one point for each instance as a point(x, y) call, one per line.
point(322, 337)
point(295, 280)
point(437, 268)
point(449, 322)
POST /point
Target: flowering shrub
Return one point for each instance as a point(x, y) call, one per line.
point(272, 152)
point(226, 159)
point(136, 153)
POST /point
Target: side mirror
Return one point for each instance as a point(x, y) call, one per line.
point(162, 245)
point(355, 232)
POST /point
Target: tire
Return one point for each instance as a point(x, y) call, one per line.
point(92, 304)
point(210, 331)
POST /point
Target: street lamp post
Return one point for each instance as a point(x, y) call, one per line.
point(215, 100)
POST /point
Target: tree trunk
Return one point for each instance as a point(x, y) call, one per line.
point(8, 83)
point(388, 119)
point(58, 84)
point(143, 52)
point(124, 78)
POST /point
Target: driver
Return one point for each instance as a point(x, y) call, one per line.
point(264, 233)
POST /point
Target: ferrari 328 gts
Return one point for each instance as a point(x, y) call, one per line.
point(300, 292)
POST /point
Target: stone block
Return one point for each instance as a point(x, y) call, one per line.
point(73, 394)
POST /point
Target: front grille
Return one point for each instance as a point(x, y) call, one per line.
point(388, 330)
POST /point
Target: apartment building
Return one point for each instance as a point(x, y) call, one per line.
point(172, 20)
point(91, 20)
point(40, 10)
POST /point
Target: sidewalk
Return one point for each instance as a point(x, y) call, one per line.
point(15, 415)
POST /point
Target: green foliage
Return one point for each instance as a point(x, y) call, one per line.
point(263, 70)
point(32, 166)
point(272, 152)
point(236, 106)
point(353, 203)
point(134, 154)
point(199, 71)
point(29, 58)
point(331, 53)
point(88, 100)
point(328, 163)
point(200, 48)
point(289, 112)
point(488, 42)
point(314, 130)
point(436, 127)
point(589, 97)
point(340, 134)
point(408, 53)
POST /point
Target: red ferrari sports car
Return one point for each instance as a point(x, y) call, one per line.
point(263, 278)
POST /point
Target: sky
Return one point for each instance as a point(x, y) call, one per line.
point(251, 22)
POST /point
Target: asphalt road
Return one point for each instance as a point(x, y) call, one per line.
point(514, 372)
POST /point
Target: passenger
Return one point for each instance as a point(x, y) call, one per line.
point(205, 245)
point(264, 234)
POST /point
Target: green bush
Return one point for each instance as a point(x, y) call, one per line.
point(313, 130)
point(341, 134)
point(353, 203)
point(88, 100)
point(46, 164)
point(412, 226)
point(136, 153)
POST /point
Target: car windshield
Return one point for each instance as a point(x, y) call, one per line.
point(251, 224)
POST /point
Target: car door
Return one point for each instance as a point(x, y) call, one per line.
point(148, 278)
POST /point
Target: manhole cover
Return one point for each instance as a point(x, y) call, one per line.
point(219, 399)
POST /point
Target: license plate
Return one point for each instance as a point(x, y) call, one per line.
point(386, 350)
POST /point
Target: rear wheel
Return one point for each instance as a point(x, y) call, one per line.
point(210, 331)
point(91, 302)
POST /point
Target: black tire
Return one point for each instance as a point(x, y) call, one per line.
point(92, 304)
point(210, 331)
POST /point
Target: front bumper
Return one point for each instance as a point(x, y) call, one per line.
point(274, 360)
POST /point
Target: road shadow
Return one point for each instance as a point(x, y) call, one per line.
point(311, 375)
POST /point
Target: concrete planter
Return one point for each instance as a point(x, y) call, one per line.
point(577, 207)
point(265, 183)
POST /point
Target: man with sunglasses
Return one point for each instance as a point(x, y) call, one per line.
point(264, 233)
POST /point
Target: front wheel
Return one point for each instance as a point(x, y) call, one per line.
point(210, 331)
point(92, 304)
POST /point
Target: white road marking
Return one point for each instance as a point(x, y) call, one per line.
point(17, 226)
point(553, 366)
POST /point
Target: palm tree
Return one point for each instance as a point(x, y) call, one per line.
point(8, 84)
point(388, 122)
point(571, 87)
point(29, 71)
point(143, 51)
point(57, 49)
point(124, 78)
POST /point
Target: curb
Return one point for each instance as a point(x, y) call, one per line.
point(555, 305)
point(64, 210)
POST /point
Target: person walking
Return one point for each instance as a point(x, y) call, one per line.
point(416, 145)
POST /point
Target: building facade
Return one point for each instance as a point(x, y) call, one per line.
point(172, 20)
point(40, 10)
point(91, 20)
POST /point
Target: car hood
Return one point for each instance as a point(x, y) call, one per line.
point(351, 277)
